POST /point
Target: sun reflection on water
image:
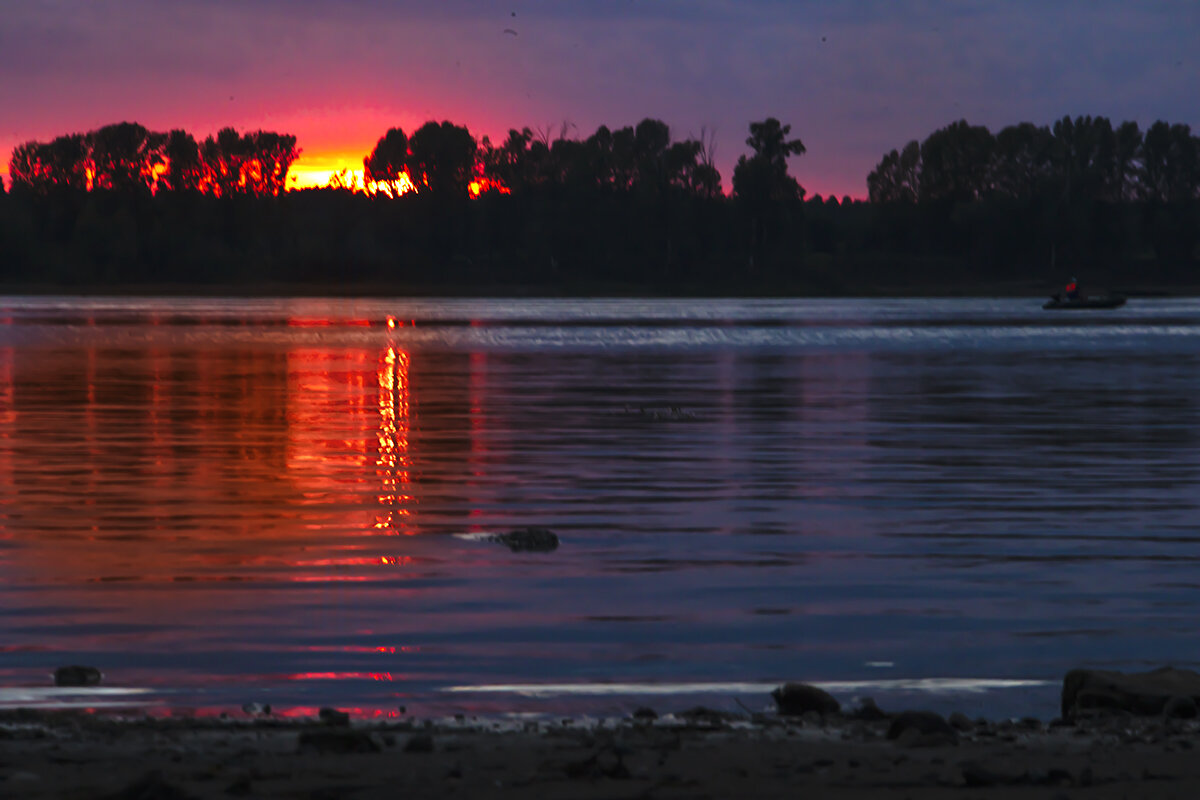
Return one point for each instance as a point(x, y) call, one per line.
point(393, 462)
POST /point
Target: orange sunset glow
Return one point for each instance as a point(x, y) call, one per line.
point(321, 435)
point(344, 170)
point(315, 170)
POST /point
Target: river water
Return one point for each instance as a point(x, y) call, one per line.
point(944, 503)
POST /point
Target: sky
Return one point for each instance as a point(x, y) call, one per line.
point(853, 78)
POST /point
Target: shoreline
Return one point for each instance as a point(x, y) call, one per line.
point(1118, 734)
point(696, 753)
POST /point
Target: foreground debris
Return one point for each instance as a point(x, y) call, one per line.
point(699, 752)
point(812, 747)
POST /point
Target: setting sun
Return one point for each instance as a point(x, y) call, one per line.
point(345, 170)
point(316, 169)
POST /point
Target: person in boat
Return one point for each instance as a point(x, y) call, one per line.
point(1072, 290)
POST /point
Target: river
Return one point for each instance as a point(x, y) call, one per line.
point(942, 502)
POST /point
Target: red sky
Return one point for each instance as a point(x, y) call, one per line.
point(853, 79)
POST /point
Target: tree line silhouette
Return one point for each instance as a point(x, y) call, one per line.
point(1082, 190)
point(632, 208)
point(128, 158)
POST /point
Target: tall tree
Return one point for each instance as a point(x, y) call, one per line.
point(761, 183)
point(255, 163)
point(270, 157)
point(509, 164)
point(1170, 163)
point(1083, 155)
point(684, 169)
point(63, 163)
point(442, 158)
point(183, 169)
point(223, 157)
point(125, 156)
point(1127, 165)
point(28, 168)
point(956, 163)
point(1021, 161)
point(764, 177)
point(897, 177)
point(651, 139)
point(387, 165)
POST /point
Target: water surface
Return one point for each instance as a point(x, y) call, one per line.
point(220, 501)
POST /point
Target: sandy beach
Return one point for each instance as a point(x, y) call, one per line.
point(686, 755)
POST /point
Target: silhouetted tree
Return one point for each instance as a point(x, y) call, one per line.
point(897, 177)
point(600, 156)
point(1127, 162)
point(707, 179)
point(1083, 155)
point(651, 138)
point(255, 163)
point(762, 185)
point(1022, 160)
point(27, 166)
point(1170, 185)
point(764, 175)
point(388, 162)
point(510, 164)
point(270, 156)
point(442, 158)
point(222, 157)
point(683, 168)
point(61, 164)
point(125, 156)
point(956, 163)
point(1170, 158)
point(183, 171)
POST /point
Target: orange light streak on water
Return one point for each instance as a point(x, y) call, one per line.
point(355, 648)
point(393, 462)
point(342, 676)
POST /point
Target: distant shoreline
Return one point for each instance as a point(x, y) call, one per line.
point(377, 289)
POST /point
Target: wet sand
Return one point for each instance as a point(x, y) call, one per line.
point(75, 755)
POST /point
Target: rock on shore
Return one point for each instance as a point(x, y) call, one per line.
point(796, 699)
point(1140, 693)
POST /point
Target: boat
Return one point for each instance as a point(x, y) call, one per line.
point(1058, 301)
